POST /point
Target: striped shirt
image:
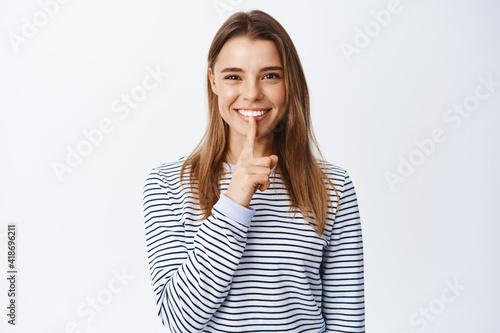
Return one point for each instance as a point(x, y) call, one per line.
point(252, 269)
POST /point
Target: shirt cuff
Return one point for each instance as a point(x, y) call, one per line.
point(234, 211)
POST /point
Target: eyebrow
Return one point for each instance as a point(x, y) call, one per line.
point(264, 69)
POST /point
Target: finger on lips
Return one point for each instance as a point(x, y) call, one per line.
point(249, 144)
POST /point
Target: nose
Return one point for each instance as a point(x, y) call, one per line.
point(252, 90)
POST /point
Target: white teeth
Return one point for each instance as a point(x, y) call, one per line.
point(252, 113)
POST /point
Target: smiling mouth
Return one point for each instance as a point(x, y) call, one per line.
point(250, 113)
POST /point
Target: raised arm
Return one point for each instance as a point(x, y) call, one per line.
point(343, 303)
point(189, 286)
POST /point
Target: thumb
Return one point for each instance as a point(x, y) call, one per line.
point(274, 160)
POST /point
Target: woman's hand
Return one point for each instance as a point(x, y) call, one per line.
point(250, 172)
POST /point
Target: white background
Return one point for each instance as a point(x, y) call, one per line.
point(436, 226)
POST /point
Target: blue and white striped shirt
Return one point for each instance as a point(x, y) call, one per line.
point(252, 269)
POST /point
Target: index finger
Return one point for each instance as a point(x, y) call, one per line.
point(247, 150)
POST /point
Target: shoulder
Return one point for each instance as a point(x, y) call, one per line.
point(171, 167)
point(337, 174)
point(342, 181)
point(167, 172)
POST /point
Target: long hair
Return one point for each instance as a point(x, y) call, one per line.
point(292, 139)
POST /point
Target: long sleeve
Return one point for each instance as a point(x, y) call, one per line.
point(190, 285)
point(343, 303)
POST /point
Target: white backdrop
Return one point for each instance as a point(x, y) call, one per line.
point(95, 93)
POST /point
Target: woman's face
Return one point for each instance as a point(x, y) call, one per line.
point(248, 75)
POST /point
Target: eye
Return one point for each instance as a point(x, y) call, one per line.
point(276, 76)
point(230, 76)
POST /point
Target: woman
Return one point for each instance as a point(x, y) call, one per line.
point(225, 252)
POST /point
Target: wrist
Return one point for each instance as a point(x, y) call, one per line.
point(237, 199)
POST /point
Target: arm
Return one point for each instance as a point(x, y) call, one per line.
point(343, 303)
point(189, 286)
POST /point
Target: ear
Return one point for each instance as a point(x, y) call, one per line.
point(211, 79)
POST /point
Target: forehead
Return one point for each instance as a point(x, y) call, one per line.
point(244, 52)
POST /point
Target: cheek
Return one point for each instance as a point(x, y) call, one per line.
point(278, 94)
point(280, 102)
point(226, 97)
